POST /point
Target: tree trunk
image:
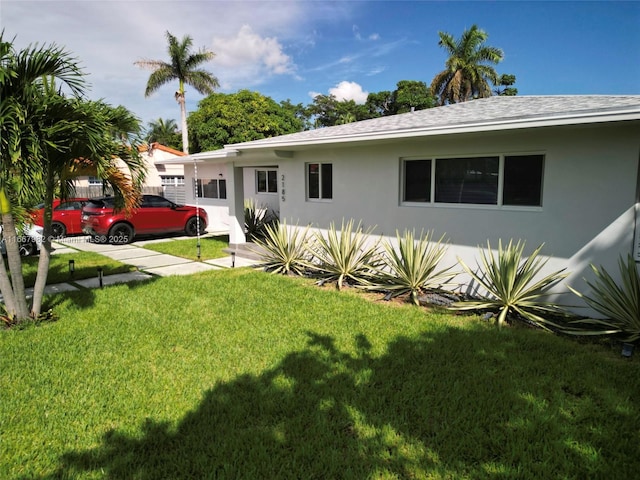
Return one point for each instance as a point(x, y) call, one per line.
point(45, 250)
point(13, 259)
point(183, 119)
point(6, 289)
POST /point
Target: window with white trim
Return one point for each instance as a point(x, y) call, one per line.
point(95, 181)
point(510, 180)
point(266, 181)
point(211, 188)
point(319, 181)
point(172, 180)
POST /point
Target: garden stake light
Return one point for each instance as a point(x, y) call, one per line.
point(100, 276)
point(233, 259)
point(72, 268)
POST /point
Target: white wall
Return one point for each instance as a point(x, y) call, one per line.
point(589, 193)
point(217, 210)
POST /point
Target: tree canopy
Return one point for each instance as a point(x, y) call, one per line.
point(239, 117)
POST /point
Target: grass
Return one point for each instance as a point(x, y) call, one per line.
point(210, 247)
point(241, 374)
point(85, 264)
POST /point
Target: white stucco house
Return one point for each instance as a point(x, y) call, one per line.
point(558, 170)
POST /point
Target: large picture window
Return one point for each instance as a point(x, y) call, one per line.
point(211, 188)
point(511, 180)
point(319, 181)
point(267, 181)
point(467, 180)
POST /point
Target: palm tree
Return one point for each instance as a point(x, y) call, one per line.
point(83, 137)
point(468, 69)
point(164, 132)
point(182, 66)
point(45, 140)
point(22, 75)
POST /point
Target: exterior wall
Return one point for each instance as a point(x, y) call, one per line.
point(217, 209)
point(267, 200)
point(589, 195)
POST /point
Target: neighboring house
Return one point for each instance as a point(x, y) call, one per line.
point(165, 180)
point(558, 170)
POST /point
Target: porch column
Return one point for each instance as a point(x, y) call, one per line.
point(235, 192)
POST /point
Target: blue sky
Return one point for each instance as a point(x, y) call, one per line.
point(293, 50)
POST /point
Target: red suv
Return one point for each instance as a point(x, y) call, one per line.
point(156, 215)
point(66, 216)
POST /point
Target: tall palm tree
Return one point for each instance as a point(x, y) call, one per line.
point(469, 69)
point(182, 66)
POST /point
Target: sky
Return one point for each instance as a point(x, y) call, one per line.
point(297, 49)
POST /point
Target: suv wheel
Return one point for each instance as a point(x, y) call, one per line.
point(191, 228)
point(120, 234)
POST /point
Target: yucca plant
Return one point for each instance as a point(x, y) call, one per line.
point(284, 250)
point(345, 255)
point(411, 268)
point(620, 303)
point(510, 281)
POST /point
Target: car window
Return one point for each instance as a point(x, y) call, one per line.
point(155, 202)
point(70, 206)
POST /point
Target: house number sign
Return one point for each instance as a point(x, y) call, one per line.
point(282, 193)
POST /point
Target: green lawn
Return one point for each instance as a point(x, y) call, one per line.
point(241, 374)
point(210, 247)
point(86, 265)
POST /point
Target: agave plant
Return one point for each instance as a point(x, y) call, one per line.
point(510, 281)
point(284, 250)
point(345, 255)
point(411, 268)
point(256, 219)
point(620, 303)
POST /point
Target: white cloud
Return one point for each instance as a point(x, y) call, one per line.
point(349, 91)
point(249, 52)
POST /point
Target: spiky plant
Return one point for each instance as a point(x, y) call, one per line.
point(284, 250)
point(256, 219)
point(510, 282)
point(619, 303)
point(347, 254)
point(411, 268)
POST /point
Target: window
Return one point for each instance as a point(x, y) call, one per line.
point(475, 180)
point(211, 188)
point(320, 181)
point(417, 181)
point(95, 181)
point(523, 180)
point(467, 180)
point(267, 181)
point(172, 180)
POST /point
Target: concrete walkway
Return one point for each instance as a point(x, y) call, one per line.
point(148, 262)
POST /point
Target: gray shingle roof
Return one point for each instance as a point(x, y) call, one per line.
point(489, 111)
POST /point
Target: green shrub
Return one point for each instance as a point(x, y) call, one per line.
point(619, 303)
point(510, 282)
point(411, 268)
point(285, 250)
point(345, 255)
